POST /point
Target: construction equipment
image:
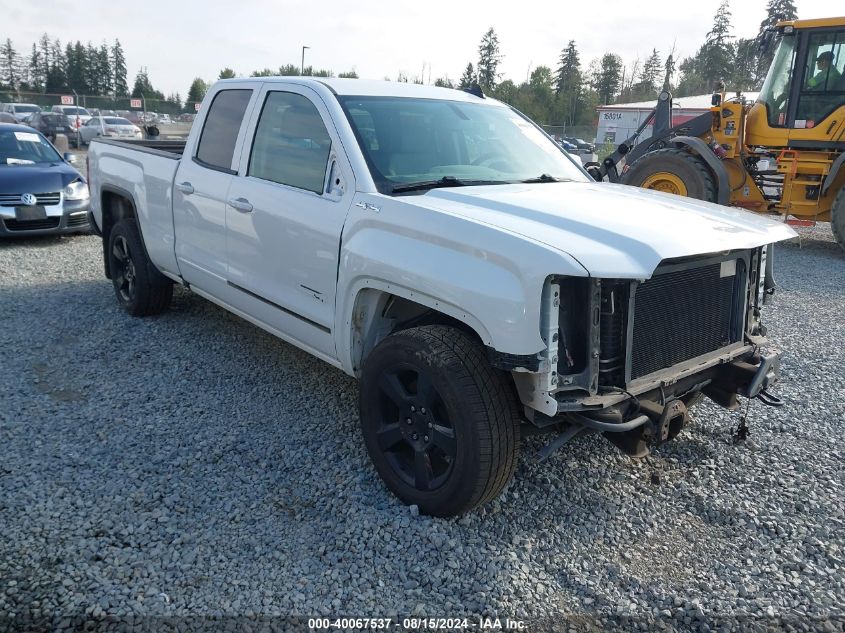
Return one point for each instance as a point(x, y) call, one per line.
point(785, 153)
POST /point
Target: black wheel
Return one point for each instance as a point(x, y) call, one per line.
point(141, 289)
point(672, 171)
point(837, 217)
point(440, 424)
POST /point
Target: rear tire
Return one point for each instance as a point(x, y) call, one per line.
point(440, 424)
point(673, 171)
point(837, 217)
point(140, 288)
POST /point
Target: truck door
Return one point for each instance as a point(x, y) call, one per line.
point(285, 213)
point(200, 188)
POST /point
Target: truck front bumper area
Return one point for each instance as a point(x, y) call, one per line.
point(633, 421)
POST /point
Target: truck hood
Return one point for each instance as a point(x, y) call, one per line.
point(612, 230)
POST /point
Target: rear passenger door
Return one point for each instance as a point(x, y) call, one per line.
point(201, 187)
point(285, 213)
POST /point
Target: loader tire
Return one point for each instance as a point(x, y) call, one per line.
point(837, 217)
point(673, 171)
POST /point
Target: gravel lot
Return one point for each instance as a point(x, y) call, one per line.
point(191, 464)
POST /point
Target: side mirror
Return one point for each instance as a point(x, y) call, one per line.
point(73, 159)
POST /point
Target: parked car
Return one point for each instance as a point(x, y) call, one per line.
point(108, 126)
point(41, 192)
point(187, 117)
point(133, 116)
point(581, 144)
point(20, 110)
point(96, 112)
point(5, 117)
point(164, 118)
point(479, 288)
point(50, 124)
point(76, 115)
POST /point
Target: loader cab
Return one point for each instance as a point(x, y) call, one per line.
point(802, 101)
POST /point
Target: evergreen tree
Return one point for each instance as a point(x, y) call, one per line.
point(745, 73)
point(37, 70)
point(649, 78)
point(104, 72)
point(468, 79)
point(718, 52)
point(227, 73)
point(349, 74)
point(569, 83)
point(776, 11)
point(89, 70)
point(144, 88)
point(197, 91)
point(489, 58)
point(290, 70)
point(444, 82)
point(56, 81)
point(118, 64)
point(609, 78)
point(10, 65)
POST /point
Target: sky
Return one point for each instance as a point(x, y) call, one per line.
point(182, 39)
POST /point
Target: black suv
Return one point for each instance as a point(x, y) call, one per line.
point(50, 124)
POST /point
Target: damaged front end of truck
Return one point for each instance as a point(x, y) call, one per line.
point(628, 358)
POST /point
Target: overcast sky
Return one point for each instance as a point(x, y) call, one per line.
point(181, 39)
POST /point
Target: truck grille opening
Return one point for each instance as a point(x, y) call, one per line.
point(682, 314)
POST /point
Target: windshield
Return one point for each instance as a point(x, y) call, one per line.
point(75, 111)
point(407, 141)
point(25, 148)
point(116, 121)
point(27, 108)
point(775, 90)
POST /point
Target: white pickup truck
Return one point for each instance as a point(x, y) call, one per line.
point(443, 249)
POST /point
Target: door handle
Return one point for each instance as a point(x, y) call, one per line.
point(185, 187)
point(240, 204)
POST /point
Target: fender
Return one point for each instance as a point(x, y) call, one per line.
point(702, 150)
point(834, 172)
point(492, 281)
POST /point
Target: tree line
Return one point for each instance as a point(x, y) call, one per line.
point(565, 93)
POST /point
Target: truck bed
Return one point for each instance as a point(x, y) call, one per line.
point(169, 149)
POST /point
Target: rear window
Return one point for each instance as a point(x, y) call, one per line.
point(27, 108)
point(75, 111)
point(222, 124)
point(110, 120)
point(54, 118)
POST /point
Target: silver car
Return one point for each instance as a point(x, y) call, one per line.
point(110, 127)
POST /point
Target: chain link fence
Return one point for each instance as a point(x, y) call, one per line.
point(99, 102)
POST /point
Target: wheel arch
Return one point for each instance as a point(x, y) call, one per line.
point(380, 309)
point(116, 204)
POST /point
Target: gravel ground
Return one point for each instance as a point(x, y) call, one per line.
point(191, 464)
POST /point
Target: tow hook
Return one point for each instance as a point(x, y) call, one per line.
point(769, 399)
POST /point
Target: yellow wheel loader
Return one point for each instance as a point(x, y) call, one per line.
point(785, 153)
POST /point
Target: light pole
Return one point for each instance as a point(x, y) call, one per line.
point(302, 68)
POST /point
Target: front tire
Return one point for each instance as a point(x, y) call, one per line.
point(441, 425)
point(140, 288)
point(675, 171)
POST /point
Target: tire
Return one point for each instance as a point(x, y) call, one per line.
point(461, 446)
point(837, 217)
point(673, 171)
point(140, 288)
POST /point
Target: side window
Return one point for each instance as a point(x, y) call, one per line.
point(291, 145)
point(823, 89)
point(220, 131)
